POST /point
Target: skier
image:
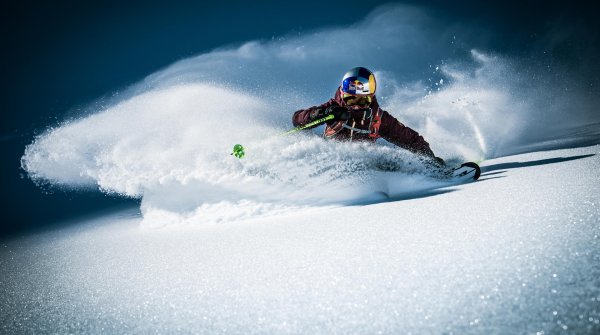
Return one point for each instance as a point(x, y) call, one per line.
point(357, 116)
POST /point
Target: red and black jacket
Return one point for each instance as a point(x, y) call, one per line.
point(368, 128)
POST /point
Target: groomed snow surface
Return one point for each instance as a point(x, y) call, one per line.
point(516, 253)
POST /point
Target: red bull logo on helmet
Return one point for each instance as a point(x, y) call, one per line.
point(356, 86)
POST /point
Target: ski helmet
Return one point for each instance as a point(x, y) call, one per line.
point(359, 81)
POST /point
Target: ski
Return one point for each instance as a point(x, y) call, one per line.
point(466, 172)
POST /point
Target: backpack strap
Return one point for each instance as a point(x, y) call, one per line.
point(375, 124)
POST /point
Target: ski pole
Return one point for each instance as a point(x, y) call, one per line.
point(238, 149)
point(308, 125)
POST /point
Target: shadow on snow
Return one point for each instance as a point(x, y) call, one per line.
point(514, 165)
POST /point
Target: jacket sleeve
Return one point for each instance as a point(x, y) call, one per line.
point(397, 133)
point(305, 116)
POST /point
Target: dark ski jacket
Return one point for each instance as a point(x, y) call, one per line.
point(367, 127)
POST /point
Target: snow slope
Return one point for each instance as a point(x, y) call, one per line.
point(516, 253)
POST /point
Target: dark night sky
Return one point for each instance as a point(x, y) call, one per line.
point(58, 56)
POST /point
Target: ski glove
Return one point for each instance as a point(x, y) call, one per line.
point(439, 162)
point(339, 113)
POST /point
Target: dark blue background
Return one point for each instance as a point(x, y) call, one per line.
point(58, 56)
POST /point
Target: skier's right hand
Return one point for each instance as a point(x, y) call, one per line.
point(339, 113)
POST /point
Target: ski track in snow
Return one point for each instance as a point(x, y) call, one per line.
point(516, 253)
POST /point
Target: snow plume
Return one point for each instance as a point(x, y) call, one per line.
point(166, 147)
point(167, 139)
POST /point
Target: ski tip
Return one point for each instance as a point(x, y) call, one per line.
point(468, 171)
point(474, 166)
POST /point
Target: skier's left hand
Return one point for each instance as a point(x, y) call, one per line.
point(439, 162)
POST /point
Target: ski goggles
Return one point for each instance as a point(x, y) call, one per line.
point(357, 100)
